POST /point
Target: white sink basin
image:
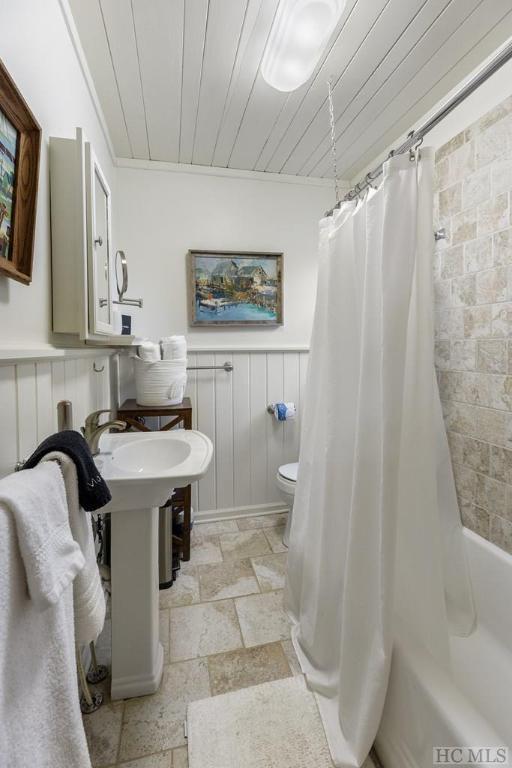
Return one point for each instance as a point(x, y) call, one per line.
point(141, 468)
point(150, 456)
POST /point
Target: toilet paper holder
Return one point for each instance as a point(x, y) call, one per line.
point(271, 408)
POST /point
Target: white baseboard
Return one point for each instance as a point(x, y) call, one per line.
point(213, 515)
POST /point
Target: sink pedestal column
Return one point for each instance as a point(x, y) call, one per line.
point(137, 654)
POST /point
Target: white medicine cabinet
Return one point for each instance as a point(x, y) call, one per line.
point(82, 250)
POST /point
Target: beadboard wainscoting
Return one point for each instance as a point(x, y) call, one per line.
point(249, 444)
point(30, 391)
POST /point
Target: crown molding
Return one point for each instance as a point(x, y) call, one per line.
point(230, 173)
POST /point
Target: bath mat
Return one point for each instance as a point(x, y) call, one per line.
point(275, 724)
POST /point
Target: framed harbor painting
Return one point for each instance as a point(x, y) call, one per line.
point(235, 288)
point(20, 139)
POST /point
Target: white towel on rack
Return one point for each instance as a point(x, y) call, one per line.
point(88, 596)
point(37, 502)
point(40, 719)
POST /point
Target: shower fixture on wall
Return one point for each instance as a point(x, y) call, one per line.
point(297, 39)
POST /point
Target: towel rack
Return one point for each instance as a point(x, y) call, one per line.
point(228, 367)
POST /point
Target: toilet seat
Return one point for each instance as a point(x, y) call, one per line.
point(289, 471)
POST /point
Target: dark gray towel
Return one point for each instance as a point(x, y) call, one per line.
point(93, 491)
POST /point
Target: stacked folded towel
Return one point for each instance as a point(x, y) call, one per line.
point(173, 347)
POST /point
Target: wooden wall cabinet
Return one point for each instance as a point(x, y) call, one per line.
point(82, 252)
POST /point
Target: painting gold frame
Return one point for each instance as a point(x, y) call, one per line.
point(218, 322)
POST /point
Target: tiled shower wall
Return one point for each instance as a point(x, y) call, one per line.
point(473, 288)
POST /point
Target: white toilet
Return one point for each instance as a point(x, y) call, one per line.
point(286, 479)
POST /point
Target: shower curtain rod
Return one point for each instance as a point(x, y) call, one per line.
point(416, 137)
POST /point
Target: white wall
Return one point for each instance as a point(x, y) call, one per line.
point(39, 54)
point(162, 214)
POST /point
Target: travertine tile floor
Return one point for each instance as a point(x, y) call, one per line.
point(222, 627)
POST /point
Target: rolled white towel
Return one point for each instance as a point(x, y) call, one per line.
point(178, 347)
point(149, 352)
point(173, 347)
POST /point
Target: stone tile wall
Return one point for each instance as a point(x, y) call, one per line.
point(473, 295)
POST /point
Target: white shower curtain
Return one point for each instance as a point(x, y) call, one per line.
point(369, 531)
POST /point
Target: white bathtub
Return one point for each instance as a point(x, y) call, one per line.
point(425, 707)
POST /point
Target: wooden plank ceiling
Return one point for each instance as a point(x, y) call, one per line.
point(179, 80)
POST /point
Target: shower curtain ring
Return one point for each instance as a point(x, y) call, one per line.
point(369, 180)
point(414, 152)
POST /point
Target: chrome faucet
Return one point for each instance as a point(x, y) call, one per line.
point(93, 430)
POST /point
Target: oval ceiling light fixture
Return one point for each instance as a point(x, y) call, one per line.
point(297, 39)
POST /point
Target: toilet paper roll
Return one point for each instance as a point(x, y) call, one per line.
point(285, 411)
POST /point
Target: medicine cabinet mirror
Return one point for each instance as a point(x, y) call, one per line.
point(99, 246)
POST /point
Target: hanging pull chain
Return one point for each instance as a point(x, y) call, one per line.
point(333, 141)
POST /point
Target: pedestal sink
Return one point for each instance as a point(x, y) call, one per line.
point(141, 470)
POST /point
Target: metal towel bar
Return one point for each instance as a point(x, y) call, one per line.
point(228, 367)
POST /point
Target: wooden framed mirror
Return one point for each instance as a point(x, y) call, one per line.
point(20, 142)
